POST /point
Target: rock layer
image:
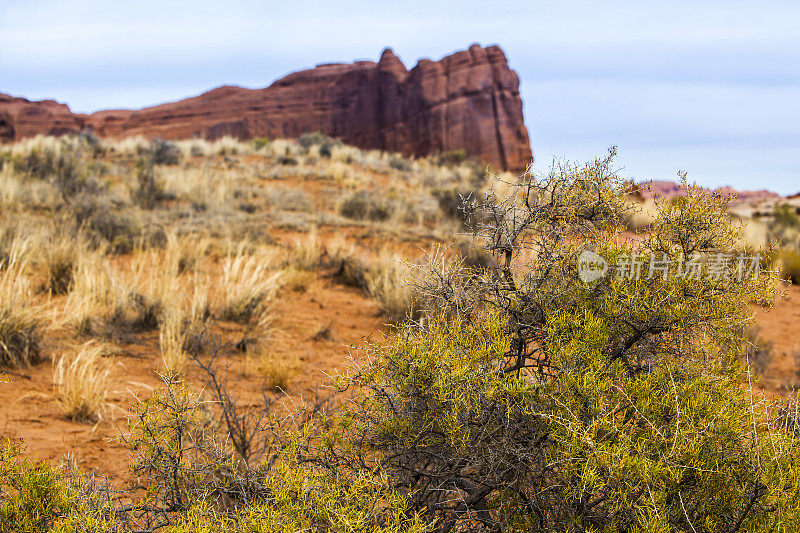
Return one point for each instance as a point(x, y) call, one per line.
point(469, 100)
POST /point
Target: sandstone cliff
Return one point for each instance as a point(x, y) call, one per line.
point(468, 100)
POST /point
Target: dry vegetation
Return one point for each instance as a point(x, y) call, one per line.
point(181, 292)
point(167, 250)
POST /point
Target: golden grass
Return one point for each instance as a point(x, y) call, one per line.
point(172, 340)
point(249, 288)
point(388, 281)
point(277, 370)
point(80, 383)
point(96, 292)
point(307, 252)
point(20, 332)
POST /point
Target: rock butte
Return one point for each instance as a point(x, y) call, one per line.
point(468, 100)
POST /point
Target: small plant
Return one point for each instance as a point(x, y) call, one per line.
point(451, 157)
point(308, 140)
point(60, 259)
point(363, 205)
point(277, 370)
point(149, 190)
point(297, 280)
point(162, 152)
point(80, 383)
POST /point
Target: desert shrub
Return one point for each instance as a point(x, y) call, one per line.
point(364, 205)
point(105, 223)
point(289, 199)
point(534, 401)
point(306, 252)
point(148, 190)
point(162, 152)
point(785, 216)
point(352, 271)
point(36, 497)
point(60, 259)
point(451, 158)
point(400, 163)
point(79, 381)
point(197, 464)
point(277, 370)
point(455, 204)
point(260, 142)
point(307, 140)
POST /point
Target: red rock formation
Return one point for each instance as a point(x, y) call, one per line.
point(670, 189)
point(468, 100)
point(21, 118)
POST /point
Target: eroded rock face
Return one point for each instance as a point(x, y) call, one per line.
point(20, 118)
point(468, 100)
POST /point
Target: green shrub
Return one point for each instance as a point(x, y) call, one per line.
point(533, 401)
point(307, 140)
point(260, 142)
point(162, 152)
point(38, 498)
point(363, 205)
point(451, 158)
point(104, 222)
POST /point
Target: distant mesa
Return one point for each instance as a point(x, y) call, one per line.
point(466, 101)
point(669, 189)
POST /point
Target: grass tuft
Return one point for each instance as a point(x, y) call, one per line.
point(80, 382)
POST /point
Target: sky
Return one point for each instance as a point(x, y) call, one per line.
point(711, 88)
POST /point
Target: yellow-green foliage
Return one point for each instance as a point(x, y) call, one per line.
point(302, 500)
point(549, 404)
point(189, 467)
point(38, 498)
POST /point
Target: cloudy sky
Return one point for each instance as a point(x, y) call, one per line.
point(709, 87)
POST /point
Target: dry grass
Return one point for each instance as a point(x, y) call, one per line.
point(20, 331)
point(790, 265)
point(277, 370)
point(249, 288)
point(297, 280)
point(388, 281)
point(642, 216)
point(96, 294)
point(172, 337)
point(80, 383)
point(307, 252)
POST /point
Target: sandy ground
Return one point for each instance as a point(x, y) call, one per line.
point(28, 413)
